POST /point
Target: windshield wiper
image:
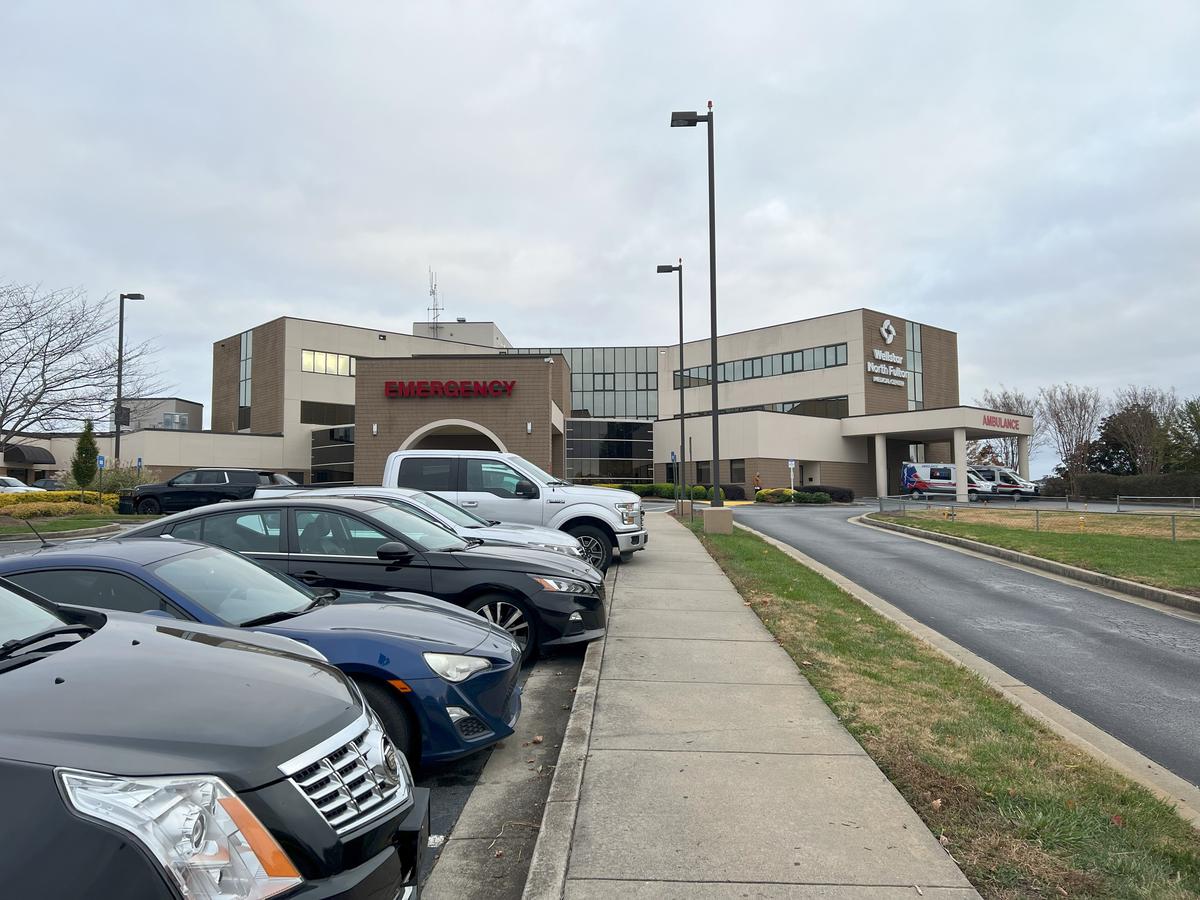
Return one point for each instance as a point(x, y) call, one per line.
point(8, 648)
point(323, 599)
point(558, 481)
point(492, 523)
point(470, 542)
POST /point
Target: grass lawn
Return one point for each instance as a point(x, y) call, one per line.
point(1151, 560)
point(68, 523)
point(1022, 812)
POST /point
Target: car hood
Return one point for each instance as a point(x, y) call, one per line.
point(521, 534)
point(427, 624)
point(141, 698)
point(579, 493)
point(524, 559)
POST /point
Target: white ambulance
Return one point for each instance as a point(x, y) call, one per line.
point(922, 479)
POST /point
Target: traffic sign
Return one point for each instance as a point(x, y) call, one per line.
point(100, 460)
point(673, 457)
point(139, 464)
point(791, 464)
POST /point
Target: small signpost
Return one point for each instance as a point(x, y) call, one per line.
point(792, 473)
point(100, 466)
point(139, 465)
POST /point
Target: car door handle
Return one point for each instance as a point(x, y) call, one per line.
point(469, 503)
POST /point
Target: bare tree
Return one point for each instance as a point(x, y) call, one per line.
point(1004, 449)
point(58, 361)
point(1071, 415)
point(1141, 419)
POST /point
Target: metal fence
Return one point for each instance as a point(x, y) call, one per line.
point(1041, 516)
point(1158, 501)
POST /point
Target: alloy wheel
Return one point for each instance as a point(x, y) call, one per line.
point(510, 617)
point(593, 550)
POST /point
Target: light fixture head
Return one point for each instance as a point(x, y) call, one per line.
point(685, 119)
point(666, 270)
point(133, 296)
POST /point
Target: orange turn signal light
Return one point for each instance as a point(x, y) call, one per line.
point(400, 686)
point(274, 861)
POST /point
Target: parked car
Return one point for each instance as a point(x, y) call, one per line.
point(1006, 482)
point(145, 758)
point(196, 487)
point(10, 485)
point(443, 681)
point(503, 487)
point(922, 479)
point(544, 600)
point(442, 512)
point(49, 484)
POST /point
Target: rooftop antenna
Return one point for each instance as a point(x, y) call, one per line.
point(29, 525)
point(435, 311)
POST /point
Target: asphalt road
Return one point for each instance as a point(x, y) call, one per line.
point(1128, 669)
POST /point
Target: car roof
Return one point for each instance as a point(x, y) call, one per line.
point(136, 551)
point(456, 453)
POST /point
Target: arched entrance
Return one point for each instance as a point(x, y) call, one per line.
point(453, 434)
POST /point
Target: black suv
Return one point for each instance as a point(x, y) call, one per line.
point(197, 487)
point(151, 758)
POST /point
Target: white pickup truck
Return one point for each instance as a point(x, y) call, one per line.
point(507, 488)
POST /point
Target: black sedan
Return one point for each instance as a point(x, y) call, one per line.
point(544, 600)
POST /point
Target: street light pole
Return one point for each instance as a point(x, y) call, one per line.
point(662, 270)
point(120, 370)
point(690, 120)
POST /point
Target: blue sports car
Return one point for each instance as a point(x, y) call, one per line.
point(442, 680)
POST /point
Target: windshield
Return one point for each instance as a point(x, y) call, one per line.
point(20, 617)
point(230, 586)
point(455, 514)
point(10, 482)
point(421, 532)
point(538, 474)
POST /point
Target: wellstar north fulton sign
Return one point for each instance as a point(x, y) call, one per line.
point(889, 368)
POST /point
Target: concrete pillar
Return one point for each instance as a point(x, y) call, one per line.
point(881, 474)
point(1023, 456)
point(960, 465)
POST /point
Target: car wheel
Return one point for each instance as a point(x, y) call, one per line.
point(510, 614)
point(972, 496)
point(148, 507)
point(597, 546)
point(395, 718)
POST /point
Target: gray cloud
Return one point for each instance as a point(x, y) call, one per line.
point(1024, 174)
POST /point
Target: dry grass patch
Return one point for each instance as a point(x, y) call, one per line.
point(1075, 521)
point(1024, 813)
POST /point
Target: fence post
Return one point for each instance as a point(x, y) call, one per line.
point(1118, 502)
point(1037, 519)
point(1172, 528)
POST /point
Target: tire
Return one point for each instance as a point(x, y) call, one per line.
point(149, 507)
point(597, 545)
point(396, 720)
point(511, 614)
point(972, 496)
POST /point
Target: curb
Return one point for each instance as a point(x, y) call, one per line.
point(1079, 732)
point(1086, 576)
point(547, 875)
point(51, 535)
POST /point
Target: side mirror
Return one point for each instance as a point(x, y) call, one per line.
point(394, 551)
point(526, 490)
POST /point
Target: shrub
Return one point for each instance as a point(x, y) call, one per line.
point(1106, 487)
point(811, 497)
point(52, 510)
point(774, 495)
point(733, 492)
point(91, 497)
point(837, 494)
point(700, 492)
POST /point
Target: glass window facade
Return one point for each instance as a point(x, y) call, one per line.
point(322, 363)
point(313, 412)
point(609, 452)
point(608, 382)
point(915, 364)
point(825, 357)
point(245, 360)
point(333, 456)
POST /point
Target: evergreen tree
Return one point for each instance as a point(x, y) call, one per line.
point(83, 464)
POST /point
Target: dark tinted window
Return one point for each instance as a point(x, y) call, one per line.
point(236, 477)
point(937, 473)
point(427, 473)
point(210, 476)
point(245, 532)
point(188, 531)
point(184, 478)
point(737, 470)
point(107, 590)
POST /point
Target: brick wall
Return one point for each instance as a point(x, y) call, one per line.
point(939, 351)
point(881, 398)
point(506, 417)
point(266, 378)
point(225, 385)
point(859, 477)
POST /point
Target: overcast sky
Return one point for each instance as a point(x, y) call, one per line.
point(1027, 174)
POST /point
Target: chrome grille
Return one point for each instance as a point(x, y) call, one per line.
point(352, 782)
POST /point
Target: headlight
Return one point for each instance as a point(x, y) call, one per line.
point(565, 585)
point(195, 826)
point(629, 511)
point(575, 551)
point(455, 668)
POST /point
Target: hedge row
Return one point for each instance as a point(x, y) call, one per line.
point(1106, 487)
point(109, 500)
point(666, 490)
point(54, 510)
point(787, 495)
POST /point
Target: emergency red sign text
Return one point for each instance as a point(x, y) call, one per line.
point(448, 388)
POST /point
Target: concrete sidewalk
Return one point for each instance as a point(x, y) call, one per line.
point(713, 769)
